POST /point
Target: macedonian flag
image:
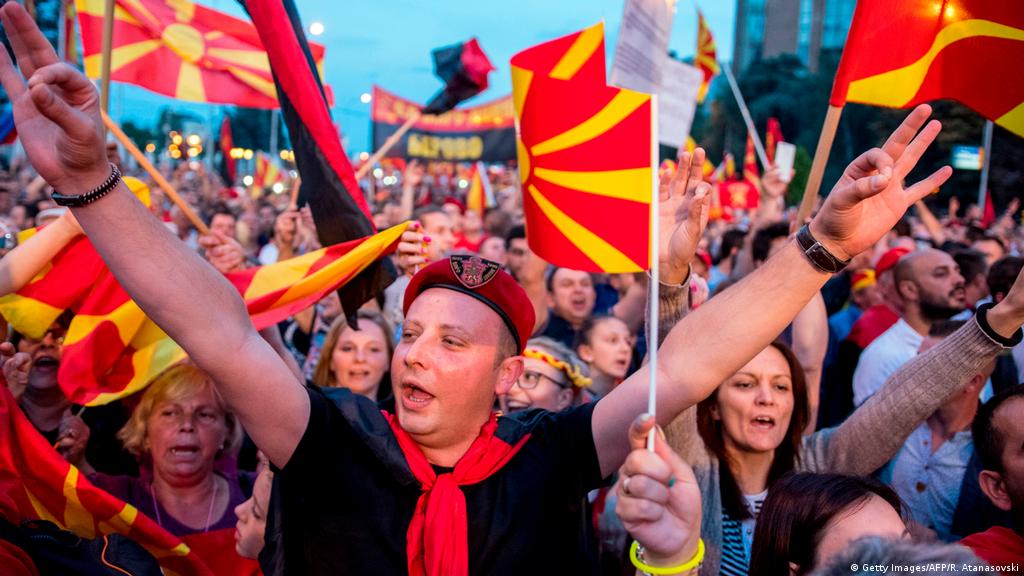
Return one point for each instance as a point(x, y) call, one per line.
point(37, 483)
point(707, 56)
point(900, 54)
point(112, 349)
point(183, 50)
point(585, 157)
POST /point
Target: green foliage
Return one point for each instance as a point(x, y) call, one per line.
point(802, 168)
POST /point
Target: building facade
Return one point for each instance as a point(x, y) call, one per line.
point(807, 29)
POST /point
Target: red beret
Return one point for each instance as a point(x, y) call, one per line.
point(889, 259)
point(483, 280)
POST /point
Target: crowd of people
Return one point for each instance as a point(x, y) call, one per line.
point(816, 410)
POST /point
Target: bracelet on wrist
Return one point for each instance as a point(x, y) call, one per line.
point(77, 201)
point(636, 553)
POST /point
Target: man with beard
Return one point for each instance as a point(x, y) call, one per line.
point(931, 288)
point(999, 440)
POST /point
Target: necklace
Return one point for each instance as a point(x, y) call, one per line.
point(209, 513)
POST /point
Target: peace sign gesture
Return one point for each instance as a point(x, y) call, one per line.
point(871, 196)
point(56, 110)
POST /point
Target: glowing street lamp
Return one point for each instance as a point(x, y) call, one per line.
point(316, 28)
point(365, 98)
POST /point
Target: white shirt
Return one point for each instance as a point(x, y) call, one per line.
point(882, 358)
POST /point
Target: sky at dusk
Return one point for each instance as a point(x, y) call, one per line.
point(388, 42)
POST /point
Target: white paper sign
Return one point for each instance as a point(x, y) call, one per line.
point(677, 101)
point(642, 47)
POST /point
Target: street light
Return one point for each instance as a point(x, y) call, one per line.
point(365, 98)
point(316, 28)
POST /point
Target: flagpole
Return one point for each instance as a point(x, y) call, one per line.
point(154, 173)
point(652, 323)
point(828, 135)
point(391, 141)
point(746, 116)
point(986, 157)
point(108, 41)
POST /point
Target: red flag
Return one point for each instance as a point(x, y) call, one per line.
point(585, 157)
point(479, 197)
point(772, 137)
point(112, 349)
point(227, 144)
point(37, 483)
point(988, 215)
point(707, 56)
point(900, 54)
point(182, 50)
point(750, 172)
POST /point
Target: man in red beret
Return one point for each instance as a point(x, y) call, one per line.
point(442, 485)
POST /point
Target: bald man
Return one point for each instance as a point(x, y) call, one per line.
point(931, 288)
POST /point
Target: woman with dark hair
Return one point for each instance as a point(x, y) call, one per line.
point(808, 518)
point(748, 433)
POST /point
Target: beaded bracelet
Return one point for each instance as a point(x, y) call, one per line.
point(692, 563)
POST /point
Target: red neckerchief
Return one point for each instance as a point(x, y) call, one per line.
point(437, 539)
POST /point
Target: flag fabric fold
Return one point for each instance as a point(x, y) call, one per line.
point(479, 197)
point(328, 182)
point(585, 157)
point(707, 56)
point(202, 55)
point(900, 54)
point(112, 349)
point(772, 137)
point(37, 483)
point(463, 68)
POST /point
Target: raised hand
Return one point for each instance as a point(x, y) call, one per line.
point(225, 254)
point(871, 197)
point(683, 214)
point(57, 110)
point(658, 499)
point(16, 367)
point(773, 186)
point(72, 438)
point(412, 248)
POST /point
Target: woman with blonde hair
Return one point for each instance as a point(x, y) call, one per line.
point(180, 430)
point(357, 359)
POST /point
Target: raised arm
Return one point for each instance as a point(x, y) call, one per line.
point(20, 265)
point(58, 120)
point(718, 338)
point(874, 433)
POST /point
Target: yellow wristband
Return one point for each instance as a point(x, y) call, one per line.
point(692, 563)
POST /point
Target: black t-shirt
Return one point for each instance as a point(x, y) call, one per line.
point(343, 503)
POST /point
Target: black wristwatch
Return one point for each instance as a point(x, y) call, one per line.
point(90, 196)
point(819, 255)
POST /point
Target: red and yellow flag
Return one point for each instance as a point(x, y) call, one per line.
point(900, 54)
point(772, 137)
point(267, 173)
point(37, 483)
point(750, 172)
point(479, 197)
point(112, 349)
point(182, 50)
point(707, 56)
point(708, 168)
point(585, 157)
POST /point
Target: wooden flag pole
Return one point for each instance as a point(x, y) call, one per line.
point(293, 203)
point(108, 43)
point(828, 134)
point(391, 141)
point(154, 174)
point(746, 117)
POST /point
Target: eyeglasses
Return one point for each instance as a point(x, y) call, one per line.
point(530, 379)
